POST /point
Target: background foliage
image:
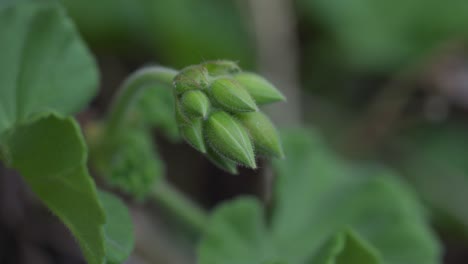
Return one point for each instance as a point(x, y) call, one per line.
point(384, 84)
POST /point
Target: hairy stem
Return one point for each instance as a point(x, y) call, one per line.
point(163, 193)
point(179, 205)
point(131, 89)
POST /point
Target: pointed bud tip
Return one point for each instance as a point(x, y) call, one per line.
point(232, 171)
point(222, 162)
point(195, 103)
point(232, 96)
point(280, 154)
point(249, 160)
point(281, 97)
point(229, 138)
point(261, 90)
point(263, 133)
point(202, 148)
point(193, 134)
point(221, 67)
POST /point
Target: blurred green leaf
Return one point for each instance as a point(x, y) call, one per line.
point(118, 229)
point(50, 153)
point(189, 31)
point(46, 71)
point(347, 248)
point(316, 197)
point(434, 159)
point(370, 200)
point(178, 32)
point(110, 25)
point(383, 35)
point(45, 65)
point(236, 234)
point(357, 251)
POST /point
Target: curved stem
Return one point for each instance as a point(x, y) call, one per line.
point(180, 206)
point(130, 90)
point(163, 192)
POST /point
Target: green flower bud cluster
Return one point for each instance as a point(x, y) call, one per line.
point(217, 113)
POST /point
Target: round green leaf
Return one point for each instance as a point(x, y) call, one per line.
point(229, 138)
point(50, 153)
point(44, 63)
point(45, 67)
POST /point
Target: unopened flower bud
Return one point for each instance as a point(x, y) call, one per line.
point(181, 117)
point(217, 113)
point(191, 78)
point(195, 104)
point(232, 96)
point(221, 67)
point(261, 90)
point(263, 133)
point(193, 134)
point(222, 162)
point(229, 138)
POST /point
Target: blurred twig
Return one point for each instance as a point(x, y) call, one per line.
point(274, 29)
point(273, 26)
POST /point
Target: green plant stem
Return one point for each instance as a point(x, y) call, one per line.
point(179, 205)
point(131, 89)
point(163, 192)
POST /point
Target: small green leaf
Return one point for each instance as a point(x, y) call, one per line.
point(221, 67)
point(261, 90)
point(44, 64)
point(195, 104)
point(193, 134)
point(237, 234)
point(264, 136)
point(357, 251)
point(330, 249)
point(118, 229)
point(50, 153)
point(229, 138)
point(347, 248)
point(232, 96)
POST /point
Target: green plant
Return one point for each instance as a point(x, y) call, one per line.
point(325, 210)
